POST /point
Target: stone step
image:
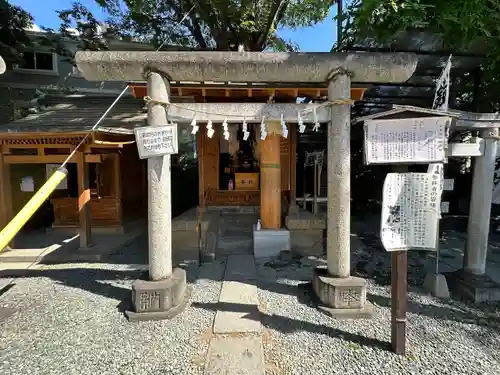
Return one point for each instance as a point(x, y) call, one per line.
point(235, 235)
point(224, 253)
point(225, 242)
point(232, 229)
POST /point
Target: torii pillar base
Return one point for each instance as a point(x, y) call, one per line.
point(158, 300)
point(470, 287)
point(341, 298)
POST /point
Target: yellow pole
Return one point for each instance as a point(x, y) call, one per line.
point(10, 231)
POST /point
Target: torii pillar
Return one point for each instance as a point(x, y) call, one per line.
point(341, 294)
point(164, 294)
point(471, 281)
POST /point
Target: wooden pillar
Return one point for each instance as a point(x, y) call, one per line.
point(117, 185)
point(84, 200)
point(201, 145)
point(270, 177)
point(6, 211)
point(293, 168)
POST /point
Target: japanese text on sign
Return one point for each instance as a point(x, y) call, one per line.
point(409, 140)
point(410, 210)
point(156, 141)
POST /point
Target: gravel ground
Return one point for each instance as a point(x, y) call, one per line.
point(443, 337)
point(70, 321)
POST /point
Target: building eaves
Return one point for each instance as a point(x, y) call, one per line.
point(78, 113)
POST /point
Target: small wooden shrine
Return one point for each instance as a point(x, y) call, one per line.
point(230, 170)
point(106, 180)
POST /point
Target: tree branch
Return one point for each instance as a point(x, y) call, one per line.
point(273, 19)
point(219, 34)
point(191, 23)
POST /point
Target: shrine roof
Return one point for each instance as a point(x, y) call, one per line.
point(461, 118)
point(245, 66)
point(79, 113)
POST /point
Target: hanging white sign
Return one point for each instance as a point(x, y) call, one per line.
point(410, 210)
point(437, 169)
point(27, 184)
point(156, 140)
point(409, 140)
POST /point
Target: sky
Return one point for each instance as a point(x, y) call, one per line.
point(319, 38)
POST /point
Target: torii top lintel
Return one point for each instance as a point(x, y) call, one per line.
point(255, 67)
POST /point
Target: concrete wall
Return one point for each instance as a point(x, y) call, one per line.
point(64, 77)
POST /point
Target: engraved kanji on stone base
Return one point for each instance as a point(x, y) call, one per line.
point(339, 293)
point(350, 296)
point(149, 301)
point(155, 296)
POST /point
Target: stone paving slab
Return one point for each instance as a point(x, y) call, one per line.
point(235, 356)
point(27, 255)
point(66, 248)
point(238, 307)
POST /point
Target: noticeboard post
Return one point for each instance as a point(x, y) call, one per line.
point(411, 201)
point(156, 140)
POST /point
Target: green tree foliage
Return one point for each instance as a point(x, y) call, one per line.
point(13, 38)
point(461, 24)
point(210, 24)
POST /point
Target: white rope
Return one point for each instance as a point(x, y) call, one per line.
point(167, 104)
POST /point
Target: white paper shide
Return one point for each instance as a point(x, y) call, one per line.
point(156, 140)
point(409, 140)
point(410, 211)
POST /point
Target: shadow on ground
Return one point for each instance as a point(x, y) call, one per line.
point(290, 325)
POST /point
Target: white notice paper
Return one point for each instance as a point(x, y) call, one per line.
point(410, 210)
point(409, 140)
point(27, 184)
point(156, 140)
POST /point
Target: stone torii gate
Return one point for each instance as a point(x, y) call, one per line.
point(163, 295)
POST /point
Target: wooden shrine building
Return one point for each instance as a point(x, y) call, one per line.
point(107, 177)
point(229, 170)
